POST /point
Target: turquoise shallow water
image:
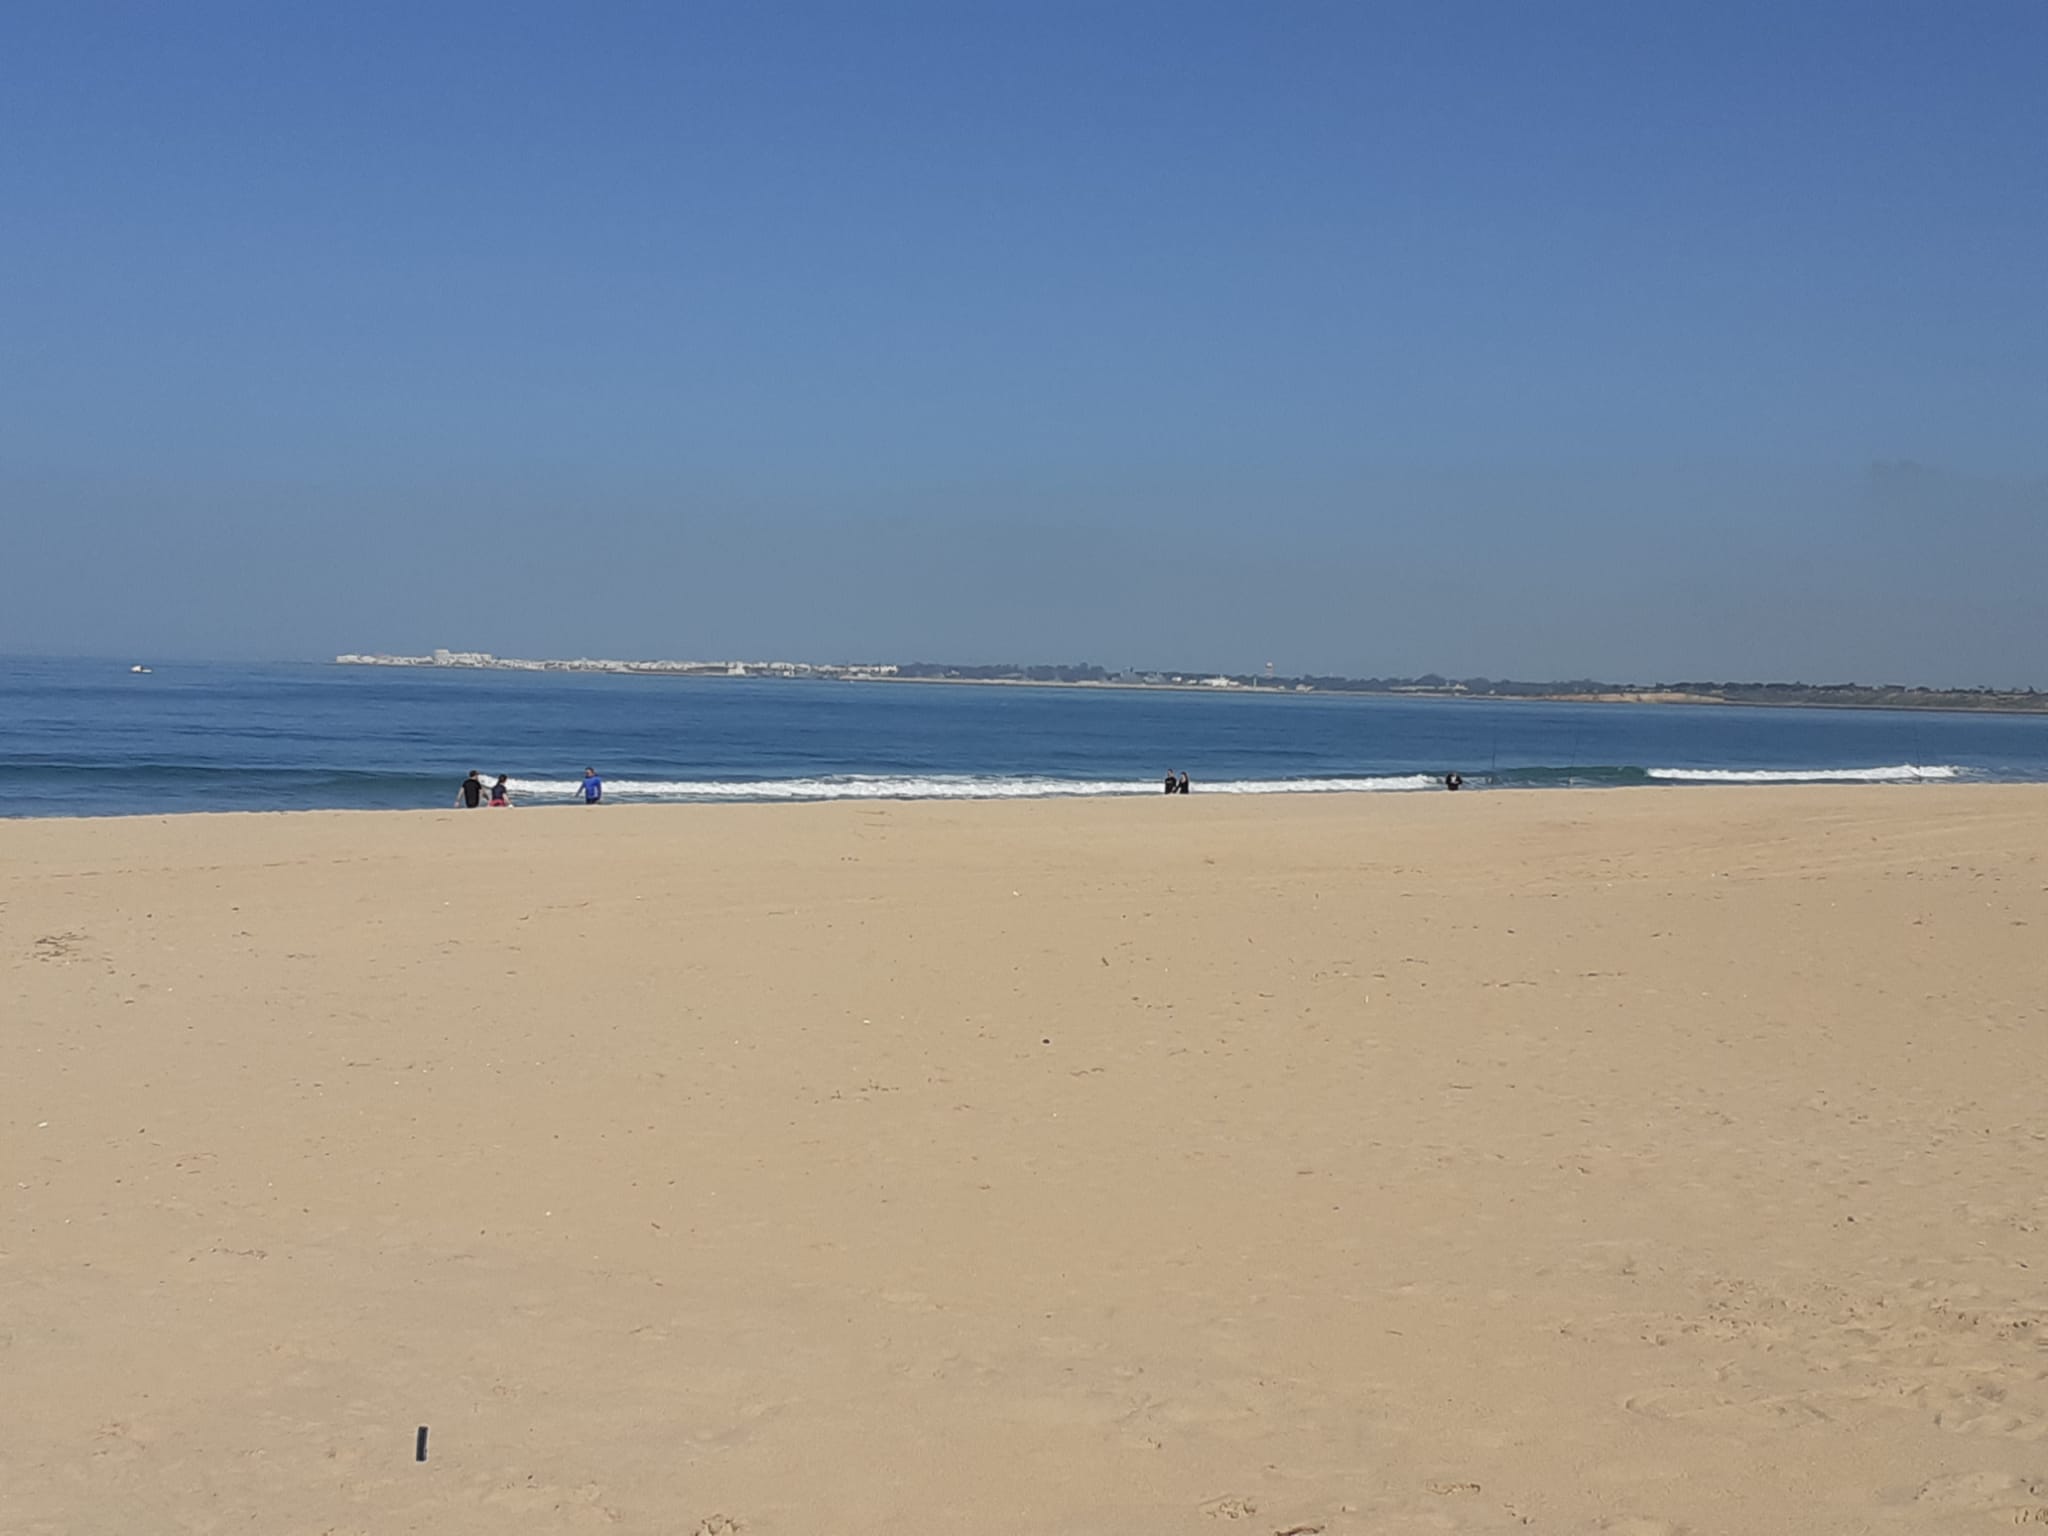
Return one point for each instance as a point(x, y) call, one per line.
point(90, 738)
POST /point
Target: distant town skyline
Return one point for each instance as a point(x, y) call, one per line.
point(1588, 340)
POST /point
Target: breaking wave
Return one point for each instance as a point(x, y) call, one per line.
point(944, 787)
point(962, 786)
point(1896, 773)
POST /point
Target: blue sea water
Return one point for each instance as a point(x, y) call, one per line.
point(92, 738)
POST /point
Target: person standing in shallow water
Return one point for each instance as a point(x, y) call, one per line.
point(501, 794)
point(1172, 783)
point(1454, 780)
point(471, 795)
point(593, 787)
point(1182, 786)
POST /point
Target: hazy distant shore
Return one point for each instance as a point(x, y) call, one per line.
point(1766, 695)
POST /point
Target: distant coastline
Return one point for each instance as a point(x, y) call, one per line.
point(1088, 675)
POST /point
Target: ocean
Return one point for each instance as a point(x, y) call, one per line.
point(90, 738)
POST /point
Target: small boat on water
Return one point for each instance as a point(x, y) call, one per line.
point(139, 668)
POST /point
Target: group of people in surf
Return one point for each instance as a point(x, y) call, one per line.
point(473, 792)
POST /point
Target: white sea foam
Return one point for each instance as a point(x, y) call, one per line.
point(940, 787)
point(1897, 773)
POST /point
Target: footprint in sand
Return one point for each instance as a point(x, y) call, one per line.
point(1675, 1402)
point(2010, 1498)
point(1971, 1420)
point(1229, 1508)
point(1787, 1411)
point(1979, 1490)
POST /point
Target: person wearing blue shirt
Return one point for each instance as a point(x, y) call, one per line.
point(593, 787)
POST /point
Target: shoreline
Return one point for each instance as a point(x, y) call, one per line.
point(1220, 797)
point(1135, 795)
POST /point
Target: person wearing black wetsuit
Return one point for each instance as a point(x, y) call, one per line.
point(1172, 784)
point(1182, 786)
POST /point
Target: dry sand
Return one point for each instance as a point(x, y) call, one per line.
point(1639, 1161)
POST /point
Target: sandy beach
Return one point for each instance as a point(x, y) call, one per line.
point(1639, 1161)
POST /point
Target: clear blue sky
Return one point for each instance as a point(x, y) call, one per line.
point(1519, 339)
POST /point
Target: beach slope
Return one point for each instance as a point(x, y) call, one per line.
point(1646, 1161)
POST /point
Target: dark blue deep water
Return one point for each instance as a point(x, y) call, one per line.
point(90, 738)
